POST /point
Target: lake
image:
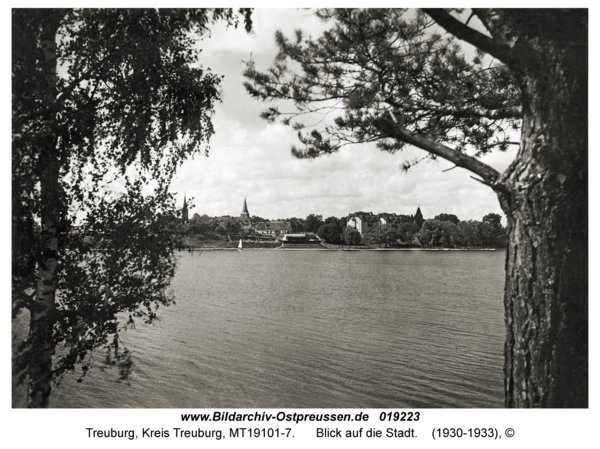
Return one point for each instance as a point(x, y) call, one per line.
point(319, 329)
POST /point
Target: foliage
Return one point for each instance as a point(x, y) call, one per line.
point(257, 219)
point(375, 62)
point(430, 233)
point(297, 224)
point(199, 227)
point(335, 231)
point(335, 221)
point(407, 232)
point(447, 217)
point(351, 236)
point(388, 77)
point(126, 268)
point(313, 223)
point(330, 233)
point(469, 233)
point(372, 236)
point(493, 220)
point(382, 234)
point(128, 104)
point(437, 233)
point(233, 226)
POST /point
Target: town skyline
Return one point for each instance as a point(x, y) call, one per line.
point(251, 158)
point(248, 208)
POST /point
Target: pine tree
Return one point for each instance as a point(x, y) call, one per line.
point(393, 77)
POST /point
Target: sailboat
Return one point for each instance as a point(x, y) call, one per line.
point(240, 248)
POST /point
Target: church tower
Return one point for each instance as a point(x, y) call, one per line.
point(245, 216)
point(184, 211)
point(418, 220)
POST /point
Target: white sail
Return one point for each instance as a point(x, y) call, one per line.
point(240, 245)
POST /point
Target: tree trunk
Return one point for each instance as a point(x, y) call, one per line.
point(546, 292)
point(44, 308)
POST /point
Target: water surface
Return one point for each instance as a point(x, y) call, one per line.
point(322, 329)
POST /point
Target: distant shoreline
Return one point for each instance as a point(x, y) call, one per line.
point(287, 248)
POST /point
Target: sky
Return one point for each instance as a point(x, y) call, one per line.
point(251, 159)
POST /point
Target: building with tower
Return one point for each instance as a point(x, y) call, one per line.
point(245, 219)
point(366, 222)
point(184, 211)
point(419, 218)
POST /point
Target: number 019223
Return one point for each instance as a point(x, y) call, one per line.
point(399, 416)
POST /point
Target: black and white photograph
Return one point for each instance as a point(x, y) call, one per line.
point(268, 216)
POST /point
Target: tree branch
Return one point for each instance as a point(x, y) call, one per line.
point(86, 75)
point(467, 34)
point(495, 186)
point(504, 142)
point(464, 111)
point(448, 169)
point(395, 131)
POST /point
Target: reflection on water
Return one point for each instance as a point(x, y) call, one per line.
point(322, 329)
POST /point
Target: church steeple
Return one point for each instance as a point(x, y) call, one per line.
point(245, 217)
point(245, 212)
point(184, 211)
point(418, 220)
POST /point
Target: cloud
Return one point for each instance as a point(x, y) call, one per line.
point(261, 42)
point(251, 158)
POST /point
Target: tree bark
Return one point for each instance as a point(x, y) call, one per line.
point(44, 307)
point(545, 197)
point(546, 290)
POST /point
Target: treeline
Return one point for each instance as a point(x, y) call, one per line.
point(457, 234)
point(312, 223)
point(445, 230)
point(212, 225)
point(204, 224)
